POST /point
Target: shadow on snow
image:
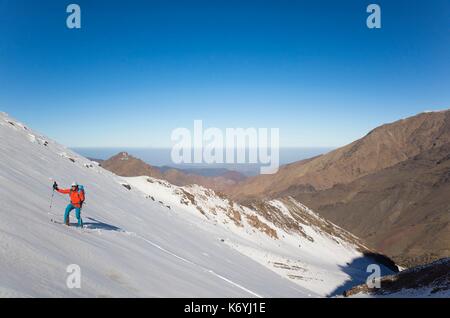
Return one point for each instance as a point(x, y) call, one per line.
point(98, 225)
point(357, 270)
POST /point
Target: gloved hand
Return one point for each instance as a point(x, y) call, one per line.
point(55, 186)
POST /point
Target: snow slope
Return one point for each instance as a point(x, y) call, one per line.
point(283, 235)
point(133, 246)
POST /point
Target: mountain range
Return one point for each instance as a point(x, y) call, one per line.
point(386, 193)
point(126, 165)
point(391, 187)
point(145, 237)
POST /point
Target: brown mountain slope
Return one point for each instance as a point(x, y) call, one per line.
point(216, 183)
point(390, 187)
point(123, 164)
point(383, 147)
point(126, 165)
point(402, 211)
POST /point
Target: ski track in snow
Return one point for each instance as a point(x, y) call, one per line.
point(159, 247)
point(133, 234)
point(192, 263)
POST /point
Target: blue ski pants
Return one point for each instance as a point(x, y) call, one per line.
point(69, 208)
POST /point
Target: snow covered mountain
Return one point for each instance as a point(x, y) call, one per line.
point(283, 235)
point(144, 237)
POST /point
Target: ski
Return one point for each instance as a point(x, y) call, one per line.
point(72, 225)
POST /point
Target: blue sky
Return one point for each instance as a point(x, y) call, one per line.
point(138, 69)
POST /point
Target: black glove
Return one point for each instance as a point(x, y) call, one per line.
point(55, 186)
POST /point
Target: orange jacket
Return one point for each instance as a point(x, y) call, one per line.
point(76, 198)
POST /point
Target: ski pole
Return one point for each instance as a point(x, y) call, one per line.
point(51, 200)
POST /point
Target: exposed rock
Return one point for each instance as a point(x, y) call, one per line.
point(424, 280)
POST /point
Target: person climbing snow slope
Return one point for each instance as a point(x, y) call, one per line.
point(77, 197)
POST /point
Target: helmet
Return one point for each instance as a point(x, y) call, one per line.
point(74, 184)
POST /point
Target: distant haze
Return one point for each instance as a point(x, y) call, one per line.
point(161, 157)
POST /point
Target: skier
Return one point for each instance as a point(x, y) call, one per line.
point(76, 194)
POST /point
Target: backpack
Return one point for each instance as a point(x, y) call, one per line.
point(81, 191)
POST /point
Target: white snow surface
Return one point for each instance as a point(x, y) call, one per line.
point(133, 246)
